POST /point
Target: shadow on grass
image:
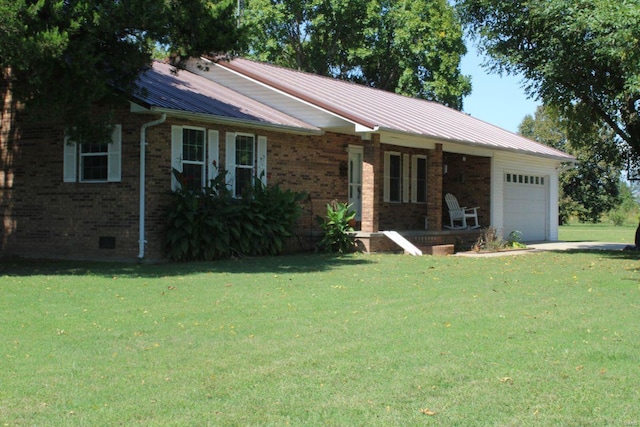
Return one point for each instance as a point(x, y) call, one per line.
point(629, 255)
point(306, 263)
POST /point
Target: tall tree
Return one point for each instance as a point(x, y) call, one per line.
point(59, 57)
point(591, 187)
point(413, 48)
point(581, 56)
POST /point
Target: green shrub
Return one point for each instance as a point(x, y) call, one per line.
point(515, 240)
point(211, 224)
point(491, 240)
point(618, 217)
point(338, 232)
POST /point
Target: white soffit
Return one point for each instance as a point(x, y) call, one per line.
point(268, 95)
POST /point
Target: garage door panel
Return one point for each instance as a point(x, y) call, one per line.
point(526, 206)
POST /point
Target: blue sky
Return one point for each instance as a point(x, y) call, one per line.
point(498, 100)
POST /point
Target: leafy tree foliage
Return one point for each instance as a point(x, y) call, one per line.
point(628, 208)
point(413, 48)
point(62, 56)
point(582, 56)
point(591, 187)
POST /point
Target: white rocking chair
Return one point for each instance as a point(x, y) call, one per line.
point(460, 214)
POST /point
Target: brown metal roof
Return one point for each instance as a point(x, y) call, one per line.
point(387, 111)
point(161, 87)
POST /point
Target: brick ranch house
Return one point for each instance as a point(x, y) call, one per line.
point(392, 156)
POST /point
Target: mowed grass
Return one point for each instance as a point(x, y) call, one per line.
point(598, 232)
point(364, 340)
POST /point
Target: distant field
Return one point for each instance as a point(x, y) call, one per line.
point(598, 233)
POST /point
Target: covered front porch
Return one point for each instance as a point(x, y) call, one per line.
point(423, 221)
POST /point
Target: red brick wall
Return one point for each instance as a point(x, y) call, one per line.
point(435, 188)
point(50, 218)
point(45, 217)
point(372, 184)
point(314, 164)
point(301, 163)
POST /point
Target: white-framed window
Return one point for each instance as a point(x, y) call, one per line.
point(396, 177)
point(94, 162)
point(194, 153)
point(245, 161)
point(392, 182)
point(354, 170)
point(419, 179)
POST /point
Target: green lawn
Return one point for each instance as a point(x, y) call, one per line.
point(598, 232)
point(373, 340)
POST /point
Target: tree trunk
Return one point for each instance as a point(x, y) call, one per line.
point(8, 150)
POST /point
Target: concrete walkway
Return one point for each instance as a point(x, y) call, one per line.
point(588, 246)
point(551, 246)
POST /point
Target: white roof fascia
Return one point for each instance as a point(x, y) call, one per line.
point(406, 140)
point(483, 146)
point(364, 129)
point(427, 143)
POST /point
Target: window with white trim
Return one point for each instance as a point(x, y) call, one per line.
point(93, 161)
point(193, 164)
point(194, 154)
point(393, 177)
point(246, 161)
point(419, 179)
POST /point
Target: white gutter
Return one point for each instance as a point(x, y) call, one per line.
point(143, 171)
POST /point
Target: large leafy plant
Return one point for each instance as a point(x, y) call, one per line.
point(338, 234)
point(211, 224)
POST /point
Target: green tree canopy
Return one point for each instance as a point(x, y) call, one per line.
point(413, 48)
point(591, 187)
point(581, 56)
point(59, 57)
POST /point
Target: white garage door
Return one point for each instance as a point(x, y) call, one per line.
point(526, 206)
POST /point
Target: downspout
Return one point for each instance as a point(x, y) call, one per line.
point(143, 171)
